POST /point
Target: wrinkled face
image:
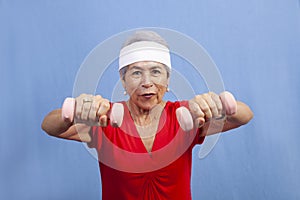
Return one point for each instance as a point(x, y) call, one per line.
point(146, 83)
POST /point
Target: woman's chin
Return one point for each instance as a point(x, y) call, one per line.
point(147, 106)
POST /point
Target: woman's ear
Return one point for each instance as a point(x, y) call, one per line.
point(168, 82)
point(122, 78)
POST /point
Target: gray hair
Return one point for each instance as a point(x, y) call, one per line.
point(144, 35)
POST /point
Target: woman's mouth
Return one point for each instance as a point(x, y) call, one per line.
point(148, 95)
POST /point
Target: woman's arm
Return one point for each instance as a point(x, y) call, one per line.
point(207, 110)
point(55, 125)
point(87, 114)
point(241, 117)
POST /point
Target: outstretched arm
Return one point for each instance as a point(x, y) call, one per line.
point(241, 117)
point(87, 114)
point(207, 110)
point(55, 125)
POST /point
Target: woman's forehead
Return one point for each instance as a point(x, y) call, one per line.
point(145, 65)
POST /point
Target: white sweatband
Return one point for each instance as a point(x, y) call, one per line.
point(144, 51)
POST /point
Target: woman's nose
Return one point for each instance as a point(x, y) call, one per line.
point(146, 81)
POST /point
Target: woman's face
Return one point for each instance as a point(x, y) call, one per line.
point(146, 83)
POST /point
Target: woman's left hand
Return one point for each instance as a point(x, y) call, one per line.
point(205, 107)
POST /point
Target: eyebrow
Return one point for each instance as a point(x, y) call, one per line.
point(136, 67)
point(156, 66)
point(142, 68)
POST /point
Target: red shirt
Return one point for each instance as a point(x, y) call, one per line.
point(128, 171)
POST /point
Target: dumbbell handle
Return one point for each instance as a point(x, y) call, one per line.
point(116, 113)
point(185, 119)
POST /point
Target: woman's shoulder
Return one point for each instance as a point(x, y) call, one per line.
point(176, 104)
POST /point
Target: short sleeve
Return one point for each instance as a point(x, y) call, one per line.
point(199, 139)
point(96, 138)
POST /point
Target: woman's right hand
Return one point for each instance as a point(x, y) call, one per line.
point(91, 110)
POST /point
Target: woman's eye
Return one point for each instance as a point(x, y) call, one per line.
point(156, 72)
point(136, 73)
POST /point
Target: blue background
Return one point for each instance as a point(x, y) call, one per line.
point(255, 44)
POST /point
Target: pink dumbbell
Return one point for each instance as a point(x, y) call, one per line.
point(185, 119)
point(116, 114)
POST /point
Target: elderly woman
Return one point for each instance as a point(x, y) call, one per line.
point(149, 126)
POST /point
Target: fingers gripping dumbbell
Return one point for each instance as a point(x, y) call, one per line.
point(185, 119)
point(116, 112)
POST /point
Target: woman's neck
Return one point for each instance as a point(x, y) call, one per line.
point(144, 117)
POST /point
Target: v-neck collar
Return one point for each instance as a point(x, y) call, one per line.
point(136, 134)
